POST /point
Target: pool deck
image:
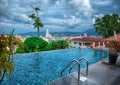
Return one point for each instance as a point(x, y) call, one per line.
point(98, 74)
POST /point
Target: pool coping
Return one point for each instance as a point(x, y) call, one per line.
point(98, 74)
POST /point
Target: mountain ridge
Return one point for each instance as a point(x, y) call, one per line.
point(89, 32)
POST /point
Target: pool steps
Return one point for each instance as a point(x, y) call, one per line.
point(75, 62)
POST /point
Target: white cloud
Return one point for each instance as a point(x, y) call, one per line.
point(77, 13)
point(6, 24)
point(58, 3)
point(12, 25)
point(55, 28)
point(93, 21)
point(101, 2)
point(72, 21)
point(83, 6)
point(65, 16)
point(56, 14)
point(19, 28)
point(25, 17)
point(46, 1)
point(99, 15)
point(55, 20)
point(21, 18)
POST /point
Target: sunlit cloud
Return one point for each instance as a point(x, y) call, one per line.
point(102, 2)
point(56, 15)
point(72, 21)
point(84, 7)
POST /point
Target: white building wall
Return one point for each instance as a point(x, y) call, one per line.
point(74, 44)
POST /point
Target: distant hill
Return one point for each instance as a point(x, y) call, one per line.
point(89, 32)
point(67, 33)
point(42, 33)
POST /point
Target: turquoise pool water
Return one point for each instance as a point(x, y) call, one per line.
point(43, 67)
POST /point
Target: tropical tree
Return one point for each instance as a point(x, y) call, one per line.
point(37, 22)
point(34, 44)
point(106, 25)
point(59, 44)
point(5, 63)
point(6, 55)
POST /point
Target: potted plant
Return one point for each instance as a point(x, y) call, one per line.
point(114, 48)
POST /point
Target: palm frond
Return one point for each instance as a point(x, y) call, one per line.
point(32, 16)
point(37, 9)
point(9, 67)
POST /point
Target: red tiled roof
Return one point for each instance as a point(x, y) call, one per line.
point(93, 39)
point(76, 39)
point(87, 39)
point(112, 38)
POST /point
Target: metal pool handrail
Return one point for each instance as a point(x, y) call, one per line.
point(79, 62)
point(76, 61)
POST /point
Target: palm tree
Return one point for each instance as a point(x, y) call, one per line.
point(6, 65)
point(6, 54)
point(37, 22)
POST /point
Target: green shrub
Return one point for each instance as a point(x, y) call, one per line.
point(59, 44)
point(54, 45)
point(35, 44)
point(20, 48)
point(48, 47)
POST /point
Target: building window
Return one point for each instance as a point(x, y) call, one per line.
point(75, 42)
point(80, 44)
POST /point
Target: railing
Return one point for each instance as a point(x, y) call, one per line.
point(74, 60)
point(78, 63)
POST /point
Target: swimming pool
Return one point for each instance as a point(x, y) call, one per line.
point(43, 67)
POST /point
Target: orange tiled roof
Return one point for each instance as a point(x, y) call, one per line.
point(112, 38)
point(87, 39)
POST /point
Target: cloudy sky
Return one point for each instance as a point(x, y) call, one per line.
point(57, 15)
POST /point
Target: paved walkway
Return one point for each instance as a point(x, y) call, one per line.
point(99, 74)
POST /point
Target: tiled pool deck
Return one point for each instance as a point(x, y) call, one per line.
point(98, 74)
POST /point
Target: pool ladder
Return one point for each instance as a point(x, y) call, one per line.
point(77, 62)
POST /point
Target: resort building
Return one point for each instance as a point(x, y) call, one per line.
point(116, 37)
point(92, 41)
point(85, 42)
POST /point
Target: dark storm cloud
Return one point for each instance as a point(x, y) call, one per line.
point(106, 6)
point(55, 14)
point(5, 9)
point(12, 10)
point(116, 6)
point(117, 2)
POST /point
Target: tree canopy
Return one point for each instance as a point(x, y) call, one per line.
point(34, 44)
point(59, 44)
point(106, 25)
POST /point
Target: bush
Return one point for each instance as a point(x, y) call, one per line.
point(35, 44)
point(48, 47)
point(59, 44)
point(20, 48)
